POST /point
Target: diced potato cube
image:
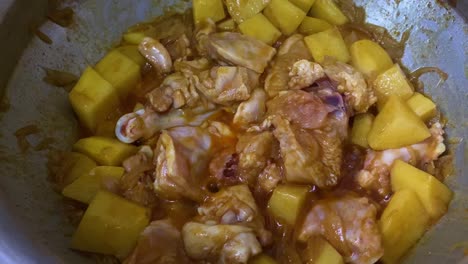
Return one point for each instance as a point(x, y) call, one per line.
point(319, 251)
point(369, 57)
point(434, 195)
point(134, 38)
point(328, 43)
point(120, 71)
point(241, 10)
point(392, 82)
point(87, 185)
point(312, 25)
point(284, 15)
point(227, 25)
point(106, 151)
point(286, 201)
point(328, 11)
point(361, 126)
point(75, 165)
point(422, 106)
point(111, 225)
point(402, 224)
point(204, 9)
point(262, 259)
point(132, 52)
point(93, 98)
point(303, 4)
point(260, 28)
point(396, 126)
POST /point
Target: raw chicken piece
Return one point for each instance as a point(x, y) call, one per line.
point(197, 144)
point(220, 130)
point(227, 84)
point(240, 50)
point(292, 50)
point(159, 243)
point(173, 179)
point(220, 243)
point(252, 110)
point(310, 127)
point(235, 205)
point(304, 73)
point(302, 157)
point(301, 108)
point(192, 67)
point(349, 224)
point(178, 48)
point(182, 158)
point(269, 178)
point(375, 176)
point(351, 84)
point(175, 91)
point(145, 123)
point(156, 54)
point(136, 183)
point(254, 149)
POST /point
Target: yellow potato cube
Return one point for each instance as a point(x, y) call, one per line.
point(241, 10)
point(286, 201)
point(284, 15)
point(361, 126)
point(111, 225)
point(134, 38)
point(132, 52)
point(123, 73)
point(204, 9)
point(262, 259)
point(319, 251)
point(328, 11)
point(75, 165)
point(402, 224)
point(396, 126)
point(303, 4)
point(392, 82)
point(106, 151)
point(434, 195)
point(93, 98)
point(260, 28)
point(227, 25)
point(369, 57)
point(422, 106)
point(87, 185)
point(328, 43)
point(312, 25)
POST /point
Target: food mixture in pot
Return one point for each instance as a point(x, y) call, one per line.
point(255, 131)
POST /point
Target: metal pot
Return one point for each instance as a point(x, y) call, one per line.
point(33, 228)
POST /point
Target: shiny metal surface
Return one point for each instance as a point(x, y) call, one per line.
point(33, 228)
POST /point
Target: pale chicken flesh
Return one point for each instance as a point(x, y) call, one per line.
point(310, 136)
point(292, 50)
point(237, 49)
point(350, 225)
point(160, 243)
point(235, 205)
point(220, 243)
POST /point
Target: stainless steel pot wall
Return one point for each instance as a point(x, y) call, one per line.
point(33, 228)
